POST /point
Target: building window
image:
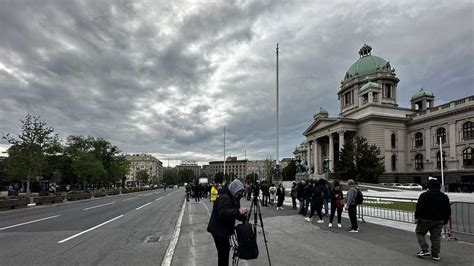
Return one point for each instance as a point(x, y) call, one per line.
point(468, 158)
point(419, 162)
point(393, 140)
point(438, 160)
point(387, 91)
point(418, 139)
point(348, 97)
point(468, 130)
point(441, 133)
point(394, 162)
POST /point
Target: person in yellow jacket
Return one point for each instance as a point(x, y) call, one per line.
point(214, 193)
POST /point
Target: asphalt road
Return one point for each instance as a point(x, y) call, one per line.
point(128, 229)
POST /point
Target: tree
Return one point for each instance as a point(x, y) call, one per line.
point(117, 171)
point(268, 168)
point(186, 176)
point(143, 177)
point(219, 177)
point(88, 168)
point(360, 161)
point(170, 176)
point(250, 178)
point(29, 148)
point(289, 172)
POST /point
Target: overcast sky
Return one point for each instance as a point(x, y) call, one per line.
point(165, 77)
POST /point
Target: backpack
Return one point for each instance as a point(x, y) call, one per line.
point(247, 248)
point(359, 198)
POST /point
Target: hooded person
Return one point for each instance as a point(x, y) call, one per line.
point(224, 213)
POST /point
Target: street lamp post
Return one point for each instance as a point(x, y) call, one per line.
point(277, 120)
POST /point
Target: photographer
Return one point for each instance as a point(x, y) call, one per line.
point(224, 213)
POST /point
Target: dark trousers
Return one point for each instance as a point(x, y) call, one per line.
point(265, 199)
point(316, 206)
point(223, 248)
point(434, 227)
point(293, 200)
point(353, 216)
point(333, 212)
point(307, 201)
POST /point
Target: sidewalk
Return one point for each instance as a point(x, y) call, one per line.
point(293, 241)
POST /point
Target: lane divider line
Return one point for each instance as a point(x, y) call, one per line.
point(143, 206)
point(34, 221)
point(174, 240)
point(105, 204)
point(130, 198)
point(158, 198)
point(88, 230)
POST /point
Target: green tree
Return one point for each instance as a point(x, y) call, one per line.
point(250, 178)
point(360, 161)
point(289, 172)
point(3, 173)
point(88, 169)
point(117, 171)
point(143, 177)
point(186, 176)
point(170, 176)
point(219, 177)
point(29, 148)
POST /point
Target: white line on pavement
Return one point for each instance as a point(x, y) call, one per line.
point(174, 240)
point(90, 229)
point(105, 204)
point(34, 221)
point(130, 198)
point(143, 206)
point(158, 198)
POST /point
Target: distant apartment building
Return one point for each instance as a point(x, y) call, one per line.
point(150, 164)
point(232, 165)
point(187, 165)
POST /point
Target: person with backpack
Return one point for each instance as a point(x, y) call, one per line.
point(317, 201)
point(337, 203)
point(225, 211)
point(351, 205)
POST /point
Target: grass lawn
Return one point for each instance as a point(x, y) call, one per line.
point(404, 206)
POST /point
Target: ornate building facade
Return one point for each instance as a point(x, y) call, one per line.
point(146, 162)
point(409, 138)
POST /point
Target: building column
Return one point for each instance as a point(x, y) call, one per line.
point(341, 139)
point(428, 144)
point(310, 148)
point(316, 157)
point(452, 140)
point(331, 153)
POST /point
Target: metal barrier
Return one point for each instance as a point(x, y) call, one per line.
point(462, 218)
point(390, 208)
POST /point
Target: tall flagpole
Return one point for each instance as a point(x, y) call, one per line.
point(224, 153)
point(441, 158)
point(277, 120)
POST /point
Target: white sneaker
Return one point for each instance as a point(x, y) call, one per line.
point(320, 221)
point(330, 225)
point(281, 208)
point(339, 225)
point(308, 219)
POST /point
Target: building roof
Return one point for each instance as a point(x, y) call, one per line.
point(370, 84)
point(422, 93)
point(367, 64)
point(321, 111)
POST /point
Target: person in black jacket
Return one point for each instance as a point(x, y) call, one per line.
point(300, 196)
point(224, 213)
point(337, 203)
point(432, 212)
point(317, 201)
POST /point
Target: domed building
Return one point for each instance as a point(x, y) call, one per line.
point(408, 137)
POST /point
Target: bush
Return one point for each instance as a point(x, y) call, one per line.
point(113, 192)
point(98, 194)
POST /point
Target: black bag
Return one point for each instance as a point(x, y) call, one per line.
point(359, 197)
point(247, 241)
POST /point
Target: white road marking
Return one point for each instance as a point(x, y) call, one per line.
point(34, 221)
point(130, 198)
point(158, 198)
point(207, 209)
point(174, 240)
point(105, 204)
point(143, 206)
point(144, 195)
point(88, 230)
point(193, 250)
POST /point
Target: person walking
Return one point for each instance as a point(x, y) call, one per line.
point(351, 205)
point(225, 211)
point(317, 201)
point(432, 212)
point(293, 194)
point(265, 187)
point(273, 191)
point(308, 191)
point(214, 193)
point(325, 189)
point(337, 203)
point(280, 196)
point(300, 196)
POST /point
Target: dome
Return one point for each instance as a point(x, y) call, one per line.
point(367, 64)
point(370, 85)
point(422, 93)
point(321, 111)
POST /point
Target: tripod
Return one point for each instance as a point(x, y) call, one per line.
point(257, 215)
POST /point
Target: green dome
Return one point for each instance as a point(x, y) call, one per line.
point(422, 93)
point(367, 64)
point(370, 85)
point(321, 111)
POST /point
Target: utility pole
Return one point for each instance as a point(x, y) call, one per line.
point(224, 153)
point(277, 120)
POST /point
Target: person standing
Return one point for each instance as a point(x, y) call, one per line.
point(264, 186)
point(325, 189)
point(351, 205)
point(280, 196)
point(225, 211)
point(293, 194)
point(317, 201)
point(308, 191)
point(300, 196)
point(337, 203)
point(432, 212)
point(273, 191)
point(214, 193)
